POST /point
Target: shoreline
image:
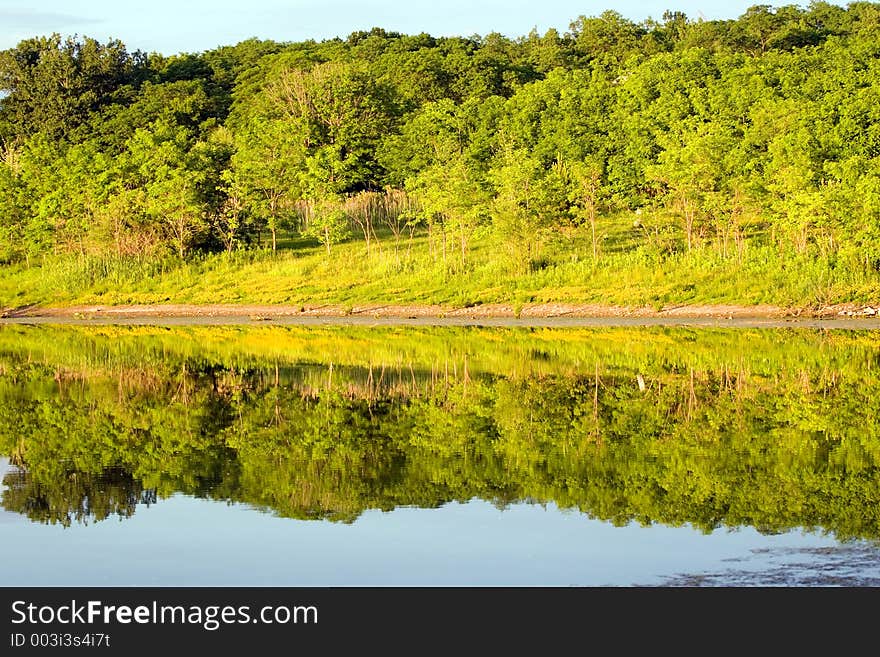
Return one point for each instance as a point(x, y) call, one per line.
point(534, 314)
point(415, 311)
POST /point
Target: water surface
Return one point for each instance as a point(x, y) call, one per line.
point(327, 455)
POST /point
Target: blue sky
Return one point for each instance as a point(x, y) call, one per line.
point(173, 26)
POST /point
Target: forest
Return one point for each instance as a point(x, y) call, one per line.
point(663, 161)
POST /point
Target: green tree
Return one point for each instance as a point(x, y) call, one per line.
point(51, 84)
point(14, 207)
point(586, 193)
point(170, 177)
point(691, 167)
point(266, 171)
point(338, 108)
point(517, 216)
point(327, 222)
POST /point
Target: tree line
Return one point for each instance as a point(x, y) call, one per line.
point(699, 134)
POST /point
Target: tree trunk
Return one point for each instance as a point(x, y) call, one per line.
point(463, 248)
point(689, 221)
point(593, 232)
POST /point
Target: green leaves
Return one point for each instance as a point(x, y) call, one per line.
point(53, 84)
point(723, 131)
point(326, 222)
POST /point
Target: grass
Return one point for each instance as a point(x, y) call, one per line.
point(629, 272)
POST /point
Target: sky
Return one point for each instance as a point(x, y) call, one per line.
point(175, 26)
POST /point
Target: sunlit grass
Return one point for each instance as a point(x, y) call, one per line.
point(628, 272)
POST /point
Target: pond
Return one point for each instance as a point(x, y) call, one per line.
point(135, 455)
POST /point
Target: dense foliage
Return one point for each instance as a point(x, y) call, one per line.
point(765, 428)
point(754, 142)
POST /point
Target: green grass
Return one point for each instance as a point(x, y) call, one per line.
point(630, 271)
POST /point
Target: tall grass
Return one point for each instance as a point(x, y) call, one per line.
point(628, 272)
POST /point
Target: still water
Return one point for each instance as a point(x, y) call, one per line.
point(323, 456)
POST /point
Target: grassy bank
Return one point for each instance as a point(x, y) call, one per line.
point(628, 271)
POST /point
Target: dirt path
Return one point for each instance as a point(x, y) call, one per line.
point(496, 314)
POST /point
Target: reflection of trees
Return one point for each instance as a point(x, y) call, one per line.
point(75, 497)
point(778, 442)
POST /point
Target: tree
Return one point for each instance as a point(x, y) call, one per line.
point(168, 172)
point(52, 85)
point(327, 222)
point(586, 193)
point(517, 216)
point(266, 171)
point(691, 169)
point(452, 195)
point(14, 208)
point(609, 35)
point(65, 187)
point(340, 109)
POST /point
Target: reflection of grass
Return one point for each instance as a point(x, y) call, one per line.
point(632, 270)
point(497, 351)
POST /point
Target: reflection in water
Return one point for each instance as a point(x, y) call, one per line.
point(770, 429)
point(75, 497)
